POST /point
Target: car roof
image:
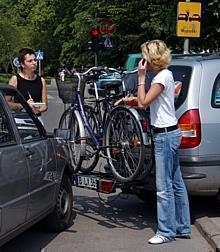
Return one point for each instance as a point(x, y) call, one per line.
point(135, 55)
point(196, 57)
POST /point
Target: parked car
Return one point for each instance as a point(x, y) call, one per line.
point(132, 61)
point(35, 176)
point(198, 113)
point(115, 78)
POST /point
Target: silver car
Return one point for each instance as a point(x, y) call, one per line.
point(35, 176)
point(198, 112)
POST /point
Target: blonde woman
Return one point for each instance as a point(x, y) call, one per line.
point(172, 200)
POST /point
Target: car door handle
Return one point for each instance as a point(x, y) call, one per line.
point(28, 152)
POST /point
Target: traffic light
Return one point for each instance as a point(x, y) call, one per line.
point(95, 43)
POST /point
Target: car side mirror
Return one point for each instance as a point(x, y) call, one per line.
point(62, 134)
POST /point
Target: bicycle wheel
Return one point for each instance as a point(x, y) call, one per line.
point(91, 157)
point(124, 145)
point(64, 120)
point(75, 144)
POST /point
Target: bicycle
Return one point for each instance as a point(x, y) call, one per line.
point(125, 153)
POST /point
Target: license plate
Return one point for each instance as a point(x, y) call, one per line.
point(86, 182)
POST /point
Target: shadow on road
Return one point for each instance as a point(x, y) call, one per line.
point(34, 239)
point(123, 212)
point(202, 206)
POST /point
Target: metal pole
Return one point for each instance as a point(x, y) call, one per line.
point(186, 42)
point(39, 68)
point(96, 59)
point(186, 46)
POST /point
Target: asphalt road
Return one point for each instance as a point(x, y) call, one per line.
point(123, 223)
point(116, 223)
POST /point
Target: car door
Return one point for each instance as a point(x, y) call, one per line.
point(14, 176)
point(41, 161)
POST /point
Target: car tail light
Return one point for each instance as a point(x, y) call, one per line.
point(190, 126)
point(106, 186)
point(144, 125)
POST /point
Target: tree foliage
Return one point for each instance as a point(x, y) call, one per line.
point(62, 28)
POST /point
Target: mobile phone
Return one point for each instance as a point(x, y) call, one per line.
point(143, 61)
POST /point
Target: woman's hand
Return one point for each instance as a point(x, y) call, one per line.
point(142, 68)
point(130, 101)
point(35, 110)
point(29, 101)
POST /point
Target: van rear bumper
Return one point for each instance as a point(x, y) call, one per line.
point(201, 180)
point(202, 163)
point(192, 168)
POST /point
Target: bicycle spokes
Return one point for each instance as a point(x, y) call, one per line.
point(125, 145)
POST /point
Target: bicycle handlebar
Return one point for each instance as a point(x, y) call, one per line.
point(109, 70)
point(97, 71)
point(93, 73)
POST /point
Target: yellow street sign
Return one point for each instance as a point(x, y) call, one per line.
point(189, 19)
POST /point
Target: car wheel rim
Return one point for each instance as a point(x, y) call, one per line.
point(63, 202)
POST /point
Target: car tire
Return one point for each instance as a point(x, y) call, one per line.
point(61, 217)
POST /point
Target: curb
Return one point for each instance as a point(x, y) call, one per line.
point(210, 231)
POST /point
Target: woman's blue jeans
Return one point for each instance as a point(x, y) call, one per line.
point(173, 213)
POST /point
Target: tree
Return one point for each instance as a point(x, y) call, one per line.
point(62, 28)
point(9, 43)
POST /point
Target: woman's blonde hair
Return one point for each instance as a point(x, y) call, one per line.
point(156, 53)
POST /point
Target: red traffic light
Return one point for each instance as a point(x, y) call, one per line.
point(95, 32)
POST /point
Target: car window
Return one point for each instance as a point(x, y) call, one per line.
point(182, 75)
point(27, 128)
point(6, 133)
point(215, 102)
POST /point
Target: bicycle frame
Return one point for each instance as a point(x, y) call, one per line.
point(85, 120)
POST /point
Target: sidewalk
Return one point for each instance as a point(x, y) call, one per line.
point(209, 227)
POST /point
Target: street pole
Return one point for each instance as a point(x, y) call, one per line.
point(96, 59)
point(39, 72)
point(186, 42)
point(186, 46)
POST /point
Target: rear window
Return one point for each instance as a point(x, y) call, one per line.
point(216, 93)
point(182, 75)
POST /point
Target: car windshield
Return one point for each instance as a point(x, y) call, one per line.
point(182, 75)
